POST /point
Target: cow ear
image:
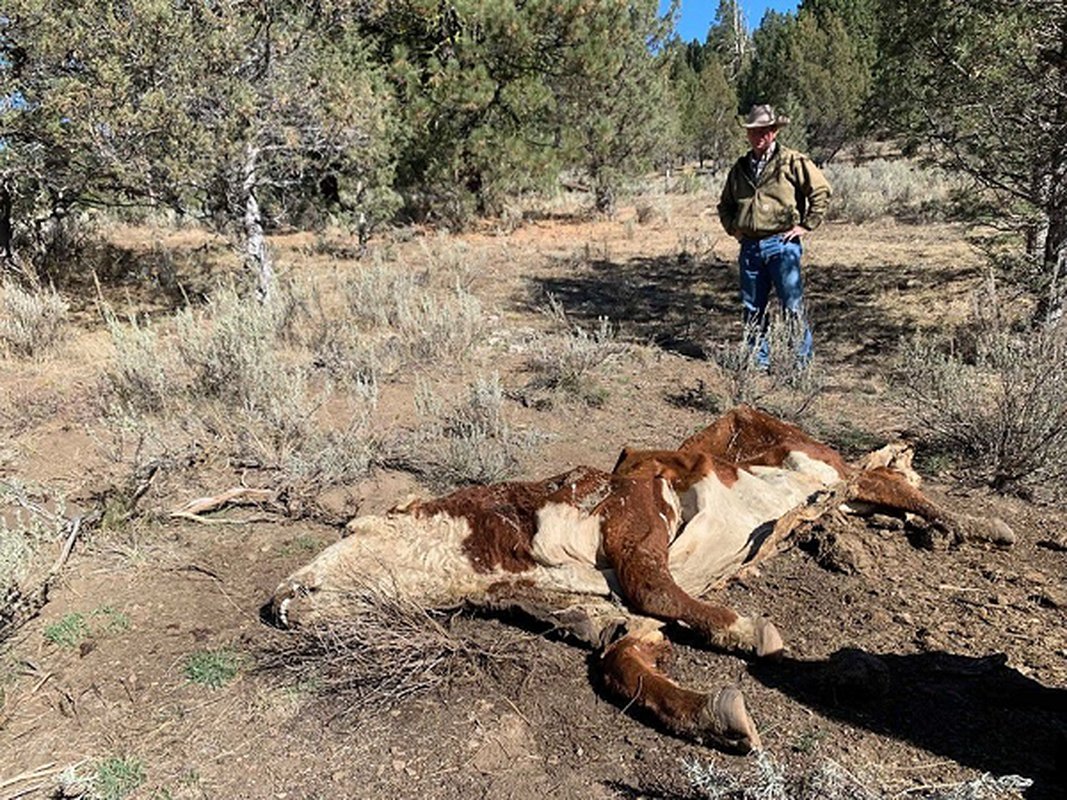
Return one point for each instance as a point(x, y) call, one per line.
point(622, 459)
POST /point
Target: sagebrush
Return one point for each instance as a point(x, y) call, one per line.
point(31, 321)
point(993, 396)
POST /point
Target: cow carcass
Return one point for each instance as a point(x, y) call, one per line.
point(611, 558)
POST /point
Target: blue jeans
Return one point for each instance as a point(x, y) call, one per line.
point(767, 262)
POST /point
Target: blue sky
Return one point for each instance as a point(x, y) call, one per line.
point(696, 14)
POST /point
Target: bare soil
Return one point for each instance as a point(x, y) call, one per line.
point(912, 670)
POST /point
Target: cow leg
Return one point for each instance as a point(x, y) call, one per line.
point(636, 528)
point(650, 589)
point(632, 672)
point(885, 488)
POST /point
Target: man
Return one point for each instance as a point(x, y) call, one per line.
point(773, 197)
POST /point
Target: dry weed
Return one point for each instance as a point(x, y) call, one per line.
point(31, 322)
point(143, 376)
point(383, 649)
point(783, 385)
point(468, 442)
point(881, 188)
point(995, 398)
point(569, 362)
point(769, 780)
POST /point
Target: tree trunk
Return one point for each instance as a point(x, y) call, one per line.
point(257, 252)
point(1055, 260)
point(6, 251)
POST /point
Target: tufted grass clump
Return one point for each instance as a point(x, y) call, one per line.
point(31, 322)
point(74, 628)
point(116, 778)
point(570, 362)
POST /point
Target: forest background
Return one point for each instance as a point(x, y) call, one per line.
point(253, 116)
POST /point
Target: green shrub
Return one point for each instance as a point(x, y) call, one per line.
point(213, 668)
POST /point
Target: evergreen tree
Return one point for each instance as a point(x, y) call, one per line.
point(828, 80)
point(617, 110)
point(767, 80)
point(728, 39)
point(860, 18)
point(981, 82)
point(708, 108)
point(212, 109)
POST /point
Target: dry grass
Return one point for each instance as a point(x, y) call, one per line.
point(993, 397)
point(25, 529)
point(31, 322)
point(880, 188)
point(386, 649)
point(769, 780)
point(568, 363)
point(784, 387)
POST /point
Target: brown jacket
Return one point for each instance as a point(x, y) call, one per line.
point(791, 191)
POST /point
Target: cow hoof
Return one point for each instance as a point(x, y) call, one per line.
point(768, 640)
point(730, 725)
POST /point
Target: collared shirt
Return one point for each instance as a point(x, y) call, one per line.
point(759, 163)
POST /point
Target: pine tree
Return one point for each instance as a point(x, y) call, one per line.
point(708, 108)
point(828, 79)
point(215, 110)
point(617, 110)
point(728, 39)
point(981, 83)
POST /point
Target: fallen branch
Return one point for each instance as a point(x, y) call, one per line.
point(239, 495)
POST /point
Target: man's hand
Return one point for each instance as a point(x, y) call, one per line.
point(794, 233)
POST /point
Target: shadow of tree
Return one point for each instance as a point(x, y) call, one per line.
point(680, 302)
point(977, 711)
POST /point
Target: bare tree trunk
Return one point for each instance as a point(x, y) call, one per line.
point(6, 247)
point(1055, 251)
point(257, 252)
point(1056, 244)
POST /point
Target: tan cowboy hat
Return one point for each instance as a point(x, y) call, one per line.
point(764, 117)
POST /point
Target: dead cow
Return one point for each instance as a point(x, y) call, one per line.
point(611, 557)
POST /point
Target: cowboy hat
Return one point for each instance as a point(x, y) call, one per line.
point(764, 117)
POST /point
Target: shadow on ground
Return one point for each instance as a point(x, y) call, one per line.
point(679, 302)
point(977, 711)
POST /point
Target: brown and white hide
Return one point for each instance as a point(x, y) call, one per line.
point(611, 557)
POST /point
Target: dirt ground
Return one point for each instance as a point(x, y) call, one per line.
point(922, 669)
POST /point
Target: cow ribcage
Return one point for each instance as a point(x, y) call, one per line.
point(726, 521)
